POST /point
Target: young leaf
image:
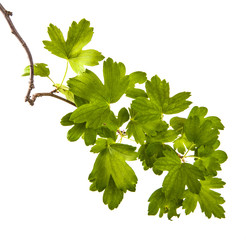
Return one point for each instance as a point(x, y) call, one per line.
point(79, 35)
point(65, 91)
point(40, 69)
point(123, 116)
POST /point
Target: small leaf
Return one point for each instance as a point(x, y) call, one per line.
point(123, 116)
point(65, 91)
point(40, 69)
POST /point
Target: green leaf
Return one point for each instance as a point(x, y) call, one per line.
point(165, 136)
point(65, 121)
point(179, 176)
point(101, 144)
point(90, 135)
point(105, 132)
point(115, 81)
point(75, 132)
point(87, 86)
point(208, 165)
point(179, 145)
point(213, 183)
point(111, 162)
point(177, 123)
point(123, 116)
point(65, 91)
point(209, 160)
point(137, 77)
point(220, 155)
point(200, 112)
point(138, 127)
point(79, 35)
point(190, 202)
point(169, 161)
point(173, 184)
point(146, 110)
point(192, 129)
point(200, 133)
point(112, 196)
point(79, 101)
point(178, 103)
point(158, 91)
point(210, 201)
point(57, 45)
point(135, 93)
point(153, 151)
point(88, 57)
point(94, 114)
point(40, 69)
point(135, 129)
point(158, 201)
point(216, 122)
point(110, 166)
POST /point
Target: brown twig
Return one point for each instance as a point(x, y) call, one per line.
point(50, 94)
point(7, 15)
point(28, 97)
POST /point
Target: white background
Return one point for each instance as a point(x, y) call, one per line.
point(198, 46)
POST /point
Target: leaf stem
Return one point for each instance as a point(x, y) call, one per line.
point(185, 155)
point(51, 80)
point(65, 74)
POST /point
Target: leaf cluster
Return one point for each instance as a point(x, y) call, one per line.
point(184, 151)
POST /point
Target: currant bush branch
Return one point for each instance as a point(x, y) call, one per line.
point(7, 14)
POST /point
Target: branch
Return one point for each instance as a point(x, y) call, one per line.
point(50, 94)
point(7, 15)
point(28, 97)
